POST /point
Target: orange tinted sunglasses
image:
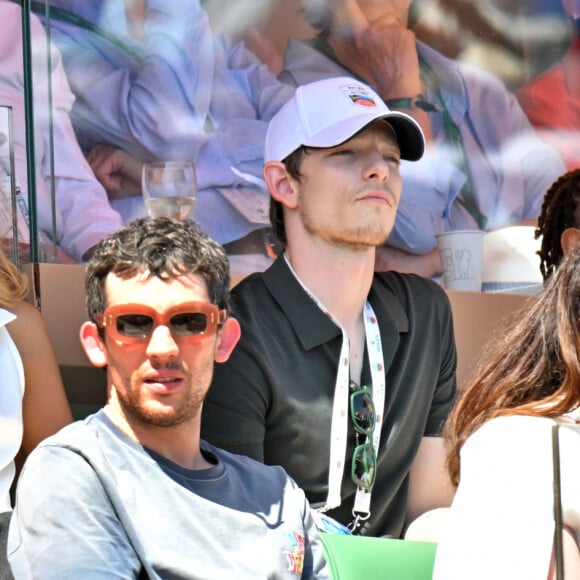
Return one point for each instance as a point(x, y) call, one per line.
point(135, 323)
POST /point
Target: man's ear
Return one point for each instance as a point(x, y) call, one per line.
point(228, 336)
point(569, 240)
point(93, 344)
point(282, 186)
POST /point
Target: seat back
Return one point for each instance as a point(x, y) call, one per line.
point(360, 557)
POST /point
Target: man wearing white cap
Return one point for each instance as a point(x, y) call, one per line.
point(343, 376)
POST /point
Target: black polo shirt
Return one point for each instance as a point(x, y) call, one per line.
point(272, 400)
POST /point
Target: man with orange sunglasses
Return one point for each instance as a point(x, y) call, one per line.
point(132, 491)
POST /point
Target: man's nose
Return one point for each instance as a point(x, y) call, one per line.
point(376, 167)
point(162, 344)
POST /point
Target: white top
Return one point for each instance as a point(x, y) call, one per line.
point(11, 392)
point(501, 523)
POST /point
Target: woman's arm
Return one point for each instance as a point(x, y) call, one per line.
point(45, 408)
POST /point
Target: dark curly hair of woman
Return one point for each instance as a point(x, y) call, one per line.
point(557, 214)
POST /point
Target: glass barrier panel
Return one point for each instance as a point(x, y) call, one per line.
point(127, 82)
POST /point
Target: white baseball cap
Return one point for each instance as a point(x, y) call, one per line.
point(327, 113)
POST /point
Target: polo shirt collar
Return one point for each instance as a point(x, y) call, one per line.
point(388, 308)
point(313, 328)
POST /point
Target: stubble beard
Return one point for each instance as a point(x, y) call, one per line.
point(373, 235)
point(154, 413)
point(135, 408)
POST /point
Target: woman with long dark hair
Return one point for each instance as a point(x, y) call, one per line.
point(499, 435)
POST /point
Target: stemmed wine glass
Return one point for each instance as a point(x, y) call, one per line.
point(169, 189)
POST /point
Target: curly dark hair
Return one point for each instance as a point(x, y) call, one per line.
point(557, 214)
point(162, 247)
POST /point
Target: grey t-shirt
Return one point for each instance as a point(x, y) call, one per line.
point(92, 503)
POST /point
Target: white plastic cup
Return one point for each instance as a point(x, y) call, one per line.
point(461, 254)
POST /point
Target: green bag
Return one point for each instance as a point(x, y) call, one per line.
point(366, 558)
